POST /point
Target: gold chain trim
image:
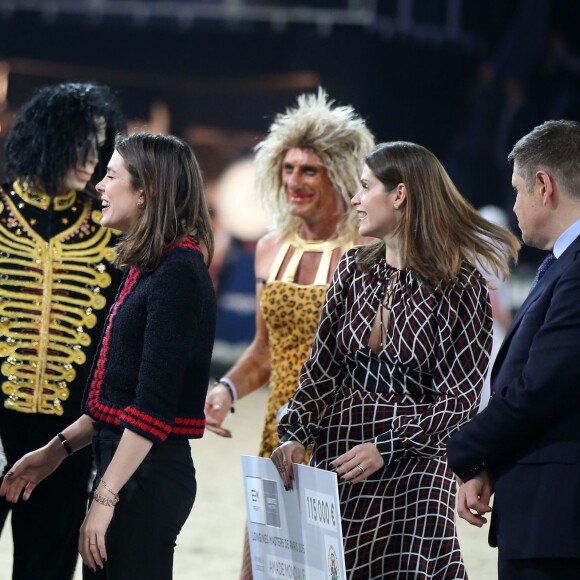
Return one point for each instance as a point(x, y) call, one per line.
point(41, 199)
point(48, 293)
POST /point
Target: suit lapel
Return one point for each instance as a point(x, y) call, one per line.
point(554, 272)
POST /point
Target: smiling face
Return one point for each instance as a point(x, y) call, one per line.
point(119, 197)
point(77, 178)
point(310, 193)
point(377, 208)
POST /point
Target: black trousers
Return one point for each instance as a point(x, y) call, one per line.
point(539, 569)
point(45, 529)
point(153, 506)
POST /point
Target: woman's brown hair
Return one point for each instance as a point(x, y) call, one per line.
point(438, 228)
point(166, 170)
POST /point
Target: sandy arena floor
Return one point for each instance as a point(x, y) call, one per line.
point(210, 545)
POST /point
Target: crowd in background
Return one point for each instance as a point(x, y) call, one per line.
point(530, 74)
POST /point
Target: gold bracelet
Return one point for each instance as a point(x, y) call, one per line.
point(109, 502)
point(115, 495)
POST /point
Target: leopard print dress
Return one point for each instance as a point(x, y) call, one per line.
point(291, 312)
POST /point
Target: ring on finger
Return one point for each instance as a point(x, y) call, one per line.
point(360, 467)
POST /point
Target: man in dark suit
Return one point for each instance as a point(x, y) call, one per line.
point(525, 446)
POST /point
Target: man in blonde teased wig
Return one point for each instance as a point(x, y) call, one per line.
point(307, 170)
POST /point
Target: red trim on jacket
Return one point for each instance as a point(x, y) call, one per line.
point(130, 415)
point(186, 243)
point(100, 411)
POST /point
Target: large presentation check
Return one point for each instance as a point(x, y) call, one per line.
point(293, 534)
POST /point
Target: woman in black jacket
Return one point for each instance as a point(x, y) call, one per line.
point(146, 392)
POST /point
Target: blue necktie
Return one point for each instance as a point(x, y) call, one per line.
point(544, 267)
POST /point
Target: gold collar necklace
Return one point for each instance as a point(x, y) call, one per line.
point(317, 245)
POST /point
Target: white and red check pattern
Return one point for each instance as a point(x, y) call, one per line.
point(408, 399)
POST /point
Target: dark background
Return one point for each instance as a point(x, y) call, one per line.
point(464, 78)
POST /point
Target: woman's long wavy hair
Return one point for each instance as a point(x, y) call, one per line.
point(438, 227)
point(54, 128)
point(166, 170)
point(336, 134)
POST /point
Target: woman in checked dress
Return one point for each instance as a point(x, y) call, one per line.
point(398, 364)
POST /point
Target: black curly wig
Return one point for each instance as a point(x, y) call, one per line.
point(54, 126)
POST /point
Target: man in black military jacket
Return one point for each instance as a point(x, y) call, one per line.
point(56, 285)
